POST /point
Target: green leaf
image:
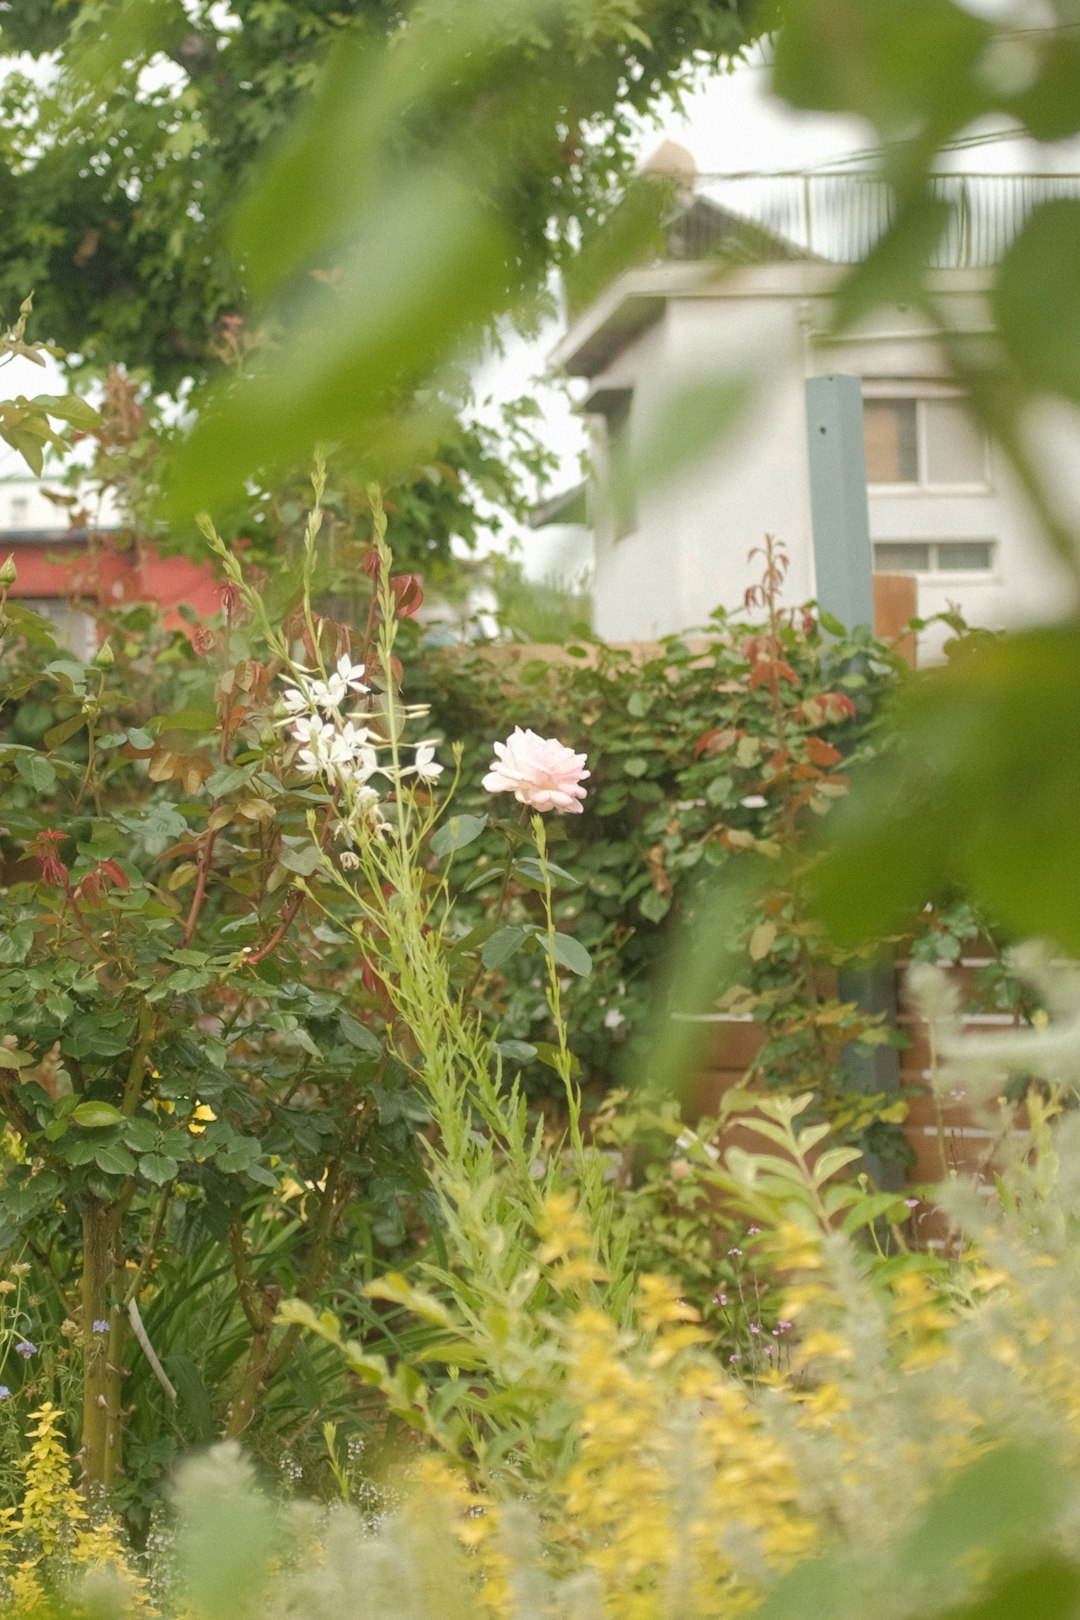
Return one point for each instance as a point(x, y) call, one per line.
point(503, 944)
point(95, 1116)
point(516, 1051)
point(654, 905)
point(981, 792)
point(67, 728)
point(302, 861)
point(1049, 1591)
point(115, 1159)
point(227, 778)
point(1036, 299)
point(68, 408)
point(456, 833)
point(158, 1168)
point(28, 446)
point(358, 1035)
point(689, 424)
point(14, 1060)
point(200, 720)
point(568, 953)
point(549, 1056)
point(529, 868)
point(635, 765)
point(37, 771)
point(429, 266)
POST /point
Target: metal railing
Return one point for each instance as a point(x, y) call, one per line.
point(838, 217)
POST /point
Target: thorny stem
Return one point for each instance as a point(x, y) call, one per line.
point(137, 1067)
point(292, 906)
point(150, 1247)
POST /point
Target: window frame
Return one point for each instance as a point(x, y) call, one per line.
point(923, 392)
point(933, 572)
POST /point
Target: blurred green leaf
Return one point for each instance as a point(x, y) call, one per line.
point(325, 175)
point(896, 63)
point(429, 271)
point(690, 423)
point(982, 792)
point(1049, 1591)
point(1036, 299)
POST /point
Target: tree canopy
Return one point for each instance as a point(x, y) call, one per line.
point(121, 167)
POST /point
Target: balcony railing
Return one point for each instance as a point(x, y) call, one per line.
point(837, 218)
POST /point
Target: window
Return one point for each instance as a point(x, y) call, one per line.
point(933, 556)
point(74, 628)
point(922, 443)
point(614, 405)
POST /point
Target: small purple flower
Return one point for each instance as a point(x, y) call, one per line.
point(721, 1298)
point(4, 1392)
point(25, 1349)
point(769, 1349)
point(755, 1327)
point(735, 1357)
point(752, 1231)
point(912, 1203)
point(734, 1251)
point(101, 1326)
point(782, 1325)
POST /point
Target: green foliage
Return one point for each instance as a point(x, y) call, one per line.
point(430, 175)
point(27, 424)
point(987, 763)
point(709, 755)
point(195, 1077)
point(80, 154)
point(989, 757)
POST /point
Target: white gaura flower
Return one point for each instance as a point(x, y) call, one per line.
point(344, 678)
point(343, 752)
point(355, 740)
point(296, 700)
point(310, 696)
point(351, 675)
point(427, 767)
point(317, 739)
point(359, 769)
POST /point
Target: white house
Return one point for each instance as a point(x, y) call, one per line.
point(942, 505)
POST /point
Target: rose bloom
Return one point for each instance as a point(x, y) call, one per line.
point(538, 771)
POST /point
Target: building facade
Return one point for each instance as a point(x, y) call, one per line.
point(943, 506)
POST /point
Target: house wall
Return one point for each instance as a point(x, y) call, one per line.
point(689, 550)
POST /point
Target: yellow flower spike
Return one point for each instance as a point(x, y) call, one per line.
point(827, 1345)
point(793, 1248)
point(659, 1303)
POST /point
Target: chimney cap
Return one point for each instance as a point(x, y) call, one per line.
point(672, 161)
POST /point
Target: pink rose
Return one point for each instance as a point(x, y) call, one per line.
point(538, 771)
